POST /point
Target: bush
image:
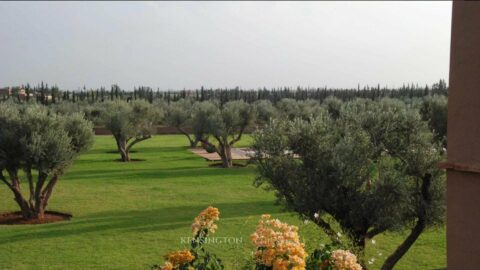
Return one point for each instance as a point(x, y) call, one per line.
point(196, 257)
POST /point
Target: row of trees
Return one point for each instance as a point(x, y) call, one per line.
point(45, 94)
point(219, 126)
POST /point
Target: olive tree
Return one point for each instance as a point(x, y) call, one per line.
point(130, 123)
point(179, 115)
point(288, 108)
point(226, 125)
point(434, 110)
point(42, 145)
point(333, 105)
point(264, 111)
point(371, 170)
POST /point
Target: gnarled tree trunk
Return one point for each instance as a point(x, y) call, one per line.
point(225, 153)
point(34, 208)
point(417, 229)
point(359, 245)
point(224, 150)
point(122, 148)
point(193, 141)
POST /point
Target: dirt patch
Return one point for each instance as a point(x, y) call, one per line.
point(15, 218)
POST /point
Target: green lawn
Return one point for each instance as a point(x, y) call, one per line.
point(126, 216)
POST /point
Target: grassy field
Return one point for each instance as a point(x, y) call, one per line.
point(126, 216)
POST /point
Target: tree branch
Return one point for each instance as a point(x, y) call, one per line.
point(416, 231)
point(239, 137)
point(47, 192)
point(137, 140)
point(38, 189)
point(2, 177)
point(186, 134)
point(373, 232)
point(28, 172)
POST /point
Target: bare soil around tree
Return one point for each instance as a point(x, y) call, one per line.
point(15, 218)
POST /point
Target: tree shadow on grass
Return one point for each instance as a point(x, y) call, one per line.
point(140, 221)
point(118, 152)
point(167, 154)
point(123, 174)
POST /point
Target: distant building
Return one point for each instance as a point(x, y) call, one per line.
point(5, 92)
point(22, 94)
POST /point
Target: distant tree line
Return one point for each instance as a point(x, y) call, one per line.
point(45, 94)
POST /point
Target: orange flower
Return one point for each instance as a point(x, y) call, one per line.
point(278, 245)
point(180, 257)
point(206, 220)
point(166, 266)
point(344, 260)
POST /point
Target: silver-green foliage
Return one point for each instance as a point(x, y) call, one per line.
point(130, 123)
point(226, 125)
point(179, 115)
point(42, 144)
point(372, 168)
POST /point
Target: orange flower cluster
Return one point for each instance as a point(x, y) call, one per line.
point(206, 220)
point(176, 259)
point(344, 260)
point(278, 245)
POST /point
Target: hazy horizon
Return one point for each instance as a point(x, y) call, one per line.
point(177, 45)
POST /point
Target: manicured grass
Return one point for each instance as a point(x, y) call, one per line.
point(127, 215)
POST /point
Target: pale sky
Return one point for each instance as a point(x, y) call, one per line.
point(176, 45)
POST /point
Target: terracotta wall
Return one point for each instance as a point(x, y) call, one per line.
point(160, 130)
point(463, 184)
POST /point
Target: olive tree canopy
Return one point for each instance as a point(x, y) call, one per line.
point(264, 111)
point(34, 139)
point(372, 169)
point(226, 125)
point(130, 123)
point(434, 110)
point(179, 115)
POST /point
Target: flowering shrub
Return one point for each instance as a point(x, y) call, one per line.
point(278, 246)
point(344, 260)
point(328, 259)
point(197, 257)
point(177, 260)
point(205, 222)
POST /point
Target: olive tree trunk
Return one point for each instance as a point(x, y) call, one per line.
point(34, 207)
point(124, 146)
point(359, 245)
point(193, 140)
point(223, 149)
point(417, 229)
point(225, 153)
